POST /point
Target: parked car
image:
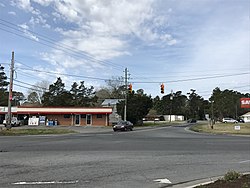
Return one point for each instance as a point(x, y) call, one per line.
point(14, 122)
point(229, 120)
point(240, 120)
point(191, 121)
point(123, 126)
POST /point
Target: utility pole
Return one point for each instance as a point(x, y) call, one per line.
point(126, 93)
point(10, 92)
point(171, 103)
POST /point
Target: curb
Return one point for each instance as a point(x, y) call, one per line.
point(200, 182)
point(195, 183)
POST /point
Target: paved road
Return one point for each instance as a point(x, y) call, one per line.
point(120, 159)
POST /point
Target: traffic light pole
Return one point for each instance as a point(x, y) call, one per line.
point(126, 93)
point(8, 126)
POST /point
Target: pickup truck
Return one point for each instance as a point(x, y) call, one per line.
point(14, 122)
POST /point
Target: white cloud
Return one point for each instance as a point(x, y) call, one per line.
point(24, 26)
point(67, 11)
point(12, 13)
point(40, 21)
point(27, 33)
point(43, 2)
point(25, 5)
point(103, 26)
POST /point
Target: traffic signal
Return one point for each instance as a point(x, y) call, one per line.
point(130, 88)
point(162, 88)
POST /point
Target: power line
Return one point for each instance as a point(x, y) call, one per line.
point(105, 79)
point(162, 77)
point(30, 84)
point(27, 84)
point(52, 41)
point(58, 46)
point(194, 79)
point(64, 74)
point(22, 73)
point(24, 64)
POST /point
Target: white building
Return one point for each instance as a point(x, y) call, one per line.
point(246, 117)
point(114, 117)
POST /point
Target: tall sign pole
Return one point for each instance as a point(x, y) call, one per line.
point(126, 93)
point(10, 92)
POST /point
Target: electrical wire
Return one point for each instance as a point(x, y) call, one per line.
point(33, 89)
point(64, 74)
point(193, 79)
point(59, 46)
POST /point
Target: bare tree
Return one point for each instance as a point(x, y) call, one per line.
point(39, 88)
point(116, 87)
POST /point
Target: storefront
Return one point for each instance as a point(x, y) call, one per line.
point(65, 116)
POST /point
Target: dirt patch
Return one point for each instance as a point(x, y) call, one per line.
point(241, 182)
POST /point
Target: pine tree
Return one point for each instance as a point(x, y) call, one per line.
point(3, 87)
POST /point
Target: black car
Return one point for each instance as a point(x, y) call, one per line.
point(123, 126)
point(191, 121)
point(240, 120)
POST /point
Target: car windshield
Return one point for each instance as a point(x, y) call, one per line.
point(121, 122)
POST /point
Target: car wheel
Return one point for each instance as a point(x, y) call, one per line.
point(114, 130)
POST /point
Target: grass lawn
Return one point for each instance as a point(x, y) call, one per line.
point(223, 128)
point(231, 179)
point(17, 132)
point(159, 123)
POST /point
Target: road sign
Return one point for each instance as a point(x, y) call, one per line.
point(245, 102)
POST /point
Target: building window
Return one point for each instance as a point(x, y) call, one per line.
point(99, 115)
point(66, 116)
point(83, 115)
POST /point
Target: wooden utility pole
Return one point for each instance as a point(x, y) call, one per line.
point(126, 93)
point(8, 126)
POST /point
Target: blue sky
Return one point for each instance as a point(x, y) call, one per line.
point(185, 44)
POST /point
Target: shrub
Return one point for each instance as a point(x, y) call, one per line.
point(231, 175)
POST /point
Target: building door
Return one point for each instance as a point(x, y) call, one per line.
point(77, 119)
point(88, 119)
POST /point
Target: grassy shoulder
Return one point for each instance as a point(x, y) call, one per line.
point(18, 132)
point(159, 123)
point(223, 128)
point(231, 179)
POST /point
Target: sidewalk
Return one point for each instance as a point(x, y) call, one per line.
point(85, 129)
point(79, 129)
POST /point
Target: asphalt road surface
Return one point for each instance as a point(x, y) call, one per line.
point(149, 157)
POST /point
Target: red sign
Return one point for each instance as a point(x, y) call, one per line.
point(245, 102)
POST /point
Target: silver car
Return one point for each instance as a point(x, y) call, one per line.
point(229, 120)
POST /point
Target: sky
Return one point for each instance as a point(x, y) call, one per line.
point(184, 44)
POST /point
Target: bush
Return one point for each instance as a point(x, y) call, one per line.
point(231, 176)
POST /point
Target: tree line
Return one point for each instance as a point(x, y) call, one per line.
point(221, 104)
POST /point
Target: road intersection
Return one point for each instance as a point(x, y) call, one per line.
point(145, 157)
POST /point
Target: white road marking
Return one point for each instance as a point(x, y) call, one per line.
point(246, 161)
point(45, 182)
point(150, 129)
point(163, 181)
point(200, 184)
